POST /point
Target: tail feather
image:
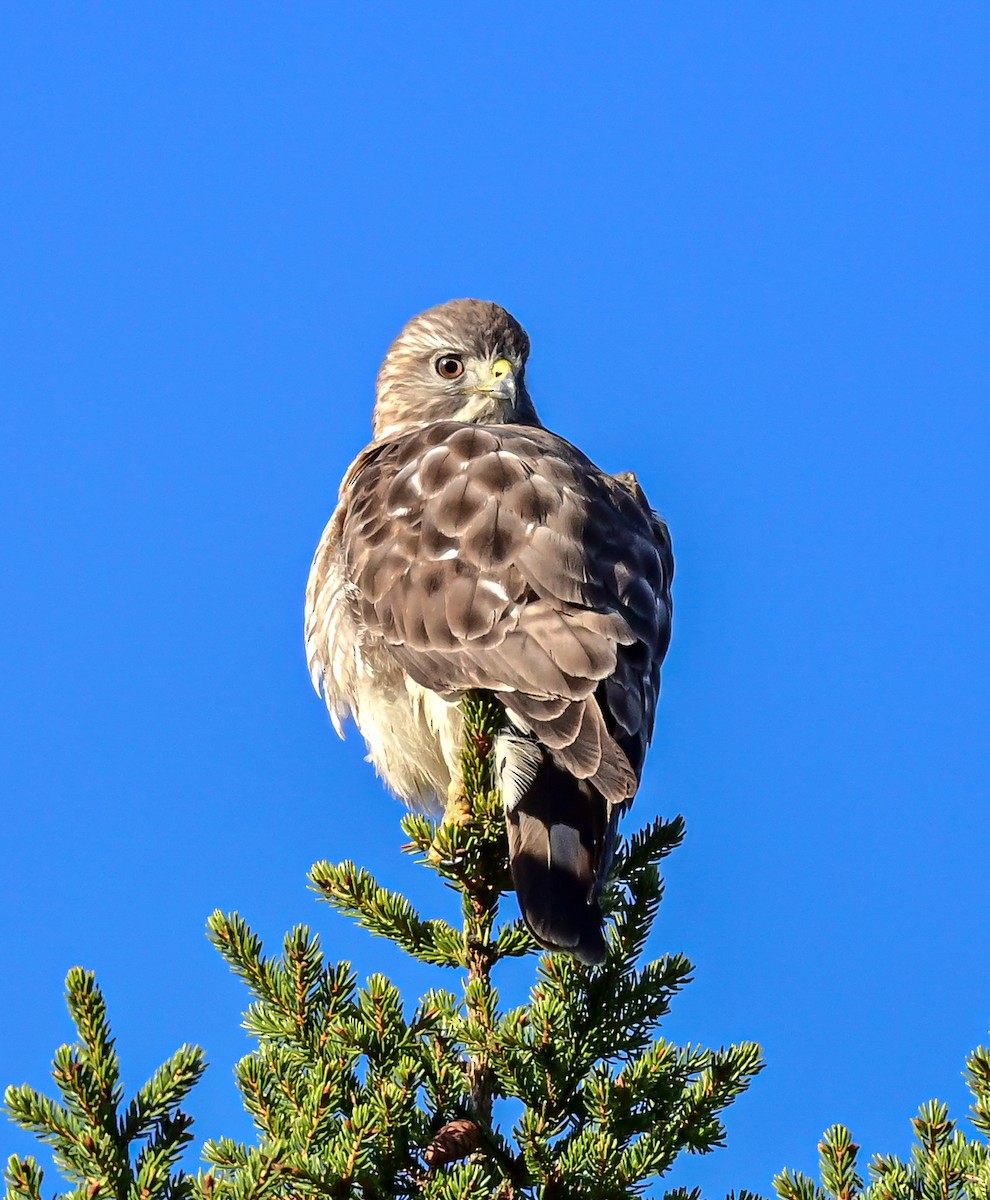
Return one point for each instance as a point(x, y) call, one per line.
point(561, 835)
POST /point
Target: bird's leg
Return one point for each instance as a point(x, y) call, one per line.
point(457, 810)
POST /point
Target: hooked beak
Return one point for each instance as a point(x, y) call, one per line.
point(502, 381)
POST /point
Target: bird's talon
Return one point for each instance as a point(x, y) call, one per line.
point(457, 810)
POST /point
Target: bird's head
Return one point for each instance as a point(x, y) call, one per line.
point(461, 361)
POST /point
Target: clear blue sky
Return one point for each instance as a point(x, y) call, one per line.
point(750, 245)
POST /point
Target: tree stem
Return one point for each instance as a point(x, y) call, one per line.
point(480, 1075)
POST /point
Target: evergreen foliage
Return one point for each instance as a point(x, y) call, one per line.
point(571, 1095)
point(106, 1151)
point(945, 1164)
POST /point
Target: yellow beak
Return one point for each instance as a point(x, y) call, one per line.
point(501, 382)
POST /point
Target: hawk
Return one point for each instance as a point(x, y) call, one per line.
point(474, 550)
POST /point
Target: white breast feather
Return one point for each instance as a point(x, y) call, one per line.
point(413, 736)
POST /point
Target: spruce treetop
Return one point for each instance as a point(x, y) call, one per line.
point(356, 1094)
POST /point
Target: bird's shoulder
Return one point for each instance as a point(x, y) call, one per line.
point(475, 523)
point(527, 469)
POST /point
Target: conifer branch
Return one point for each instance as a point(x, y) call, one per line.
point(356, 893)
point(945, 1163)
point(352, 1098)
point(106, 1153)
point(23, 1177)
point(354, 1094)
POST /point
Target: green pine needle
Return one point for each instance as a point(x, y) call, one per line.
point(106, 1153)
point(356, 1093)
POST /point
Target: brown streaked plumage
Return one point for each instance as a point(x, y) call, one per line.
point(474, 549)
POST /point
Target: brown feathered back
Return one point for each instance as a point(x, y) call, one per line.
point(502, 559)
point(496, 557)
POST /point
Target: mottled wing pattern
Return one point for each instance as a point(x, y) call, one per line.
point(500, 558)
point(635, 688)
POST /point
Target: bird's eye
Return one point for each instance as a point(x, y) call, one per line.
point(450, 366)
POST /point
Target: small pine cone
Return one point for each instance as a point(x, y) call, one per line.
point(456, 1140)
